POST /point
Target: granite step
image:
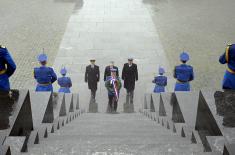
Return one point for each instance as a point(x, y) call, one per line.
point(119, 134)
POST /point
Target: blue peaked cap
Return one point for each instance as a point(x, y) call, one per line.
point(63, 71)
point(42, 57)
point(184, 56)
point(161, 70)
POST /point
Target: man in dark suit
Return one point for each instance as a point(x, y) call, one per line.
point(107, 71)
point(92, 76)
point(129, 75)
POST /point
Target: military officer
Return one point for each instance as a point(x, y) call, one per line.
point(44, 75)
point(160, 81)
point(107, 71)
point(92, 77)
point(7, 68)
point(228, 84)
point(183, 74)
point(130, 76)
point(64, 82)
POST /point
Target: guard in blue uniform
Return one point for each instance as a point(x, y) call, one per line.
point(44, 75)
point(183, 74)
point(160, 81)
point(229, 58)
point(64, 82)
point(7, 68)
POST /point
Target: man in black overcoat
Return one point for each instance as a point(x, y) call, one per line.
point(129, 75)
point(107, 72)
point(92, 76)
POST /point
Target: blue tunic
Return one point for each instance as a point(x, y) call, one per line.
point(7, 68)
point(183, 74)
point(44, 76)
point(65, 84)
point(229, 58)
point(161, 82)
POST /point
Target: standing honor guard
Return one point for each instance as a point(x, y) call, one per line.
point(92, 76)
point(183, 74)
point(228, 57)
point(64, 82)
point(129, 75)
point(113, 85)
point(7, 68)
point(107, 71)
point(44, 75)
point(160, 81)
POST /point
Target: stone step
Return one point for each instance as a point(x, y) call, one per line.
point(109, 139)
point(110, 134)
point(135, 149)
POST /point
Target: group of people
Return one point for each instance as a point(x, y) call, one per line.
point(113, 81)
point(183, 74)
point(45, 76)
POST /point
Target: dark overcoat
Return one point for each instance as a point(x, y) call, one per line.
point(107, 72)
point(92, 76)
point(129, 75)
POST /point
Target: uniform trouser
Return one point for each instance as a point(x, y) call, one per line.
point(113, 103)
point(229, 113)
point(5, 109)
point(129, 96)
point(92, 98)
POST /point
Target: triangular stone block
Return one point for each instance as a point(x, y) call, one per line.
point(42, 107)
point(49, 114)
point(5, 150)
point(21, 122)
point(46, 133)
point(174, 128)
point(162, 111)
point(182, 132)
point(168, 126)
point(193, 139)
point(52, 129)
point(63, 107)
point(177, 115)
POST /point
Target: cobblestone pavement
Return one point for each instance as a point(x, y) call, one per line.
point(201, 27)
point(29, 26)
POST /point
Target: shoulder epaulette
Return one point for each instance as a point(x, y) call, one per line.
point(2, 46)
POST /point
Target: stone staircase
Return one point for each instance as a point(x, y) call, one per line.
point(180, 123)
point(115, 134)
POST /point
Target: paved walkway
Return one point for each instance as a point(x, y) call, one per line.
point(111, 30)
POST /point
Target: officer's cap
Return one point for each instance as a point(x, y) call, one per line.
point(42, 57)
point(184, 56)
point(92, 59)
point(113, 70)
point(63, 71)
point(161, 70)
point(130, 58)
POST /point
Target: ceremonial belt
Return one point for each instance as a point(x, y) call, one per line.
point(2, 71)
point(178, 81)
point(44, 84)
point(230, 70)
